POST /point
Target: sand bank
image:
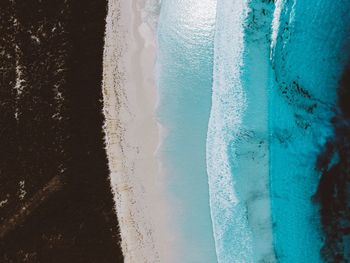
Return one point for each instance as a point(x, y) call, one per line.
point(132, 132)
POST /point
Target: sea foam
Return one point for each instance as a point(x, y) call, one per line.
point(233, 238)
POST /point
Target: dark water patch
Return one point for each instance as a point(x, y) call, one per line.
point(52, 157)
point(333, 193)
point(257, 24)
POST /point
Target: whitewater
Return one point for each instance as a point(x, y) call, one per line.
point(237, 141)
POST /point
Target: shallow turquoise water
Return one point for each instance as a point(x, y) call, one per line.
point(185, 55)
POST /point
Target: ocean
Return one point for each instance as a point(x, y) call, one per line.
point(308, 59)
point(248, 91)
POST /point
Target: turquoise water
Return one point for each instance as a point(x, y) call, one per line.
point(308, 59)
point(247, 92)
point(237, 148)
point(185, 65)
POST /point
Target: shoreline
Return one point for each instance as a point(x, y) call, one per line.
point(133, 133)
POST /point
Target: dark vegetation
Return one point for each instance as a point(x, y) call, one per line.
point(55, 199)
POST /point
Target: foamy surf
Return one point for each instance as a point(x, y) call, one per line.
point(233, 238)
point(276, 23)
point(237, 141)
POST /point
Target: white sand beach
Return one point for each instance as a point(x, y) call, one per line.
point(132, 132)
